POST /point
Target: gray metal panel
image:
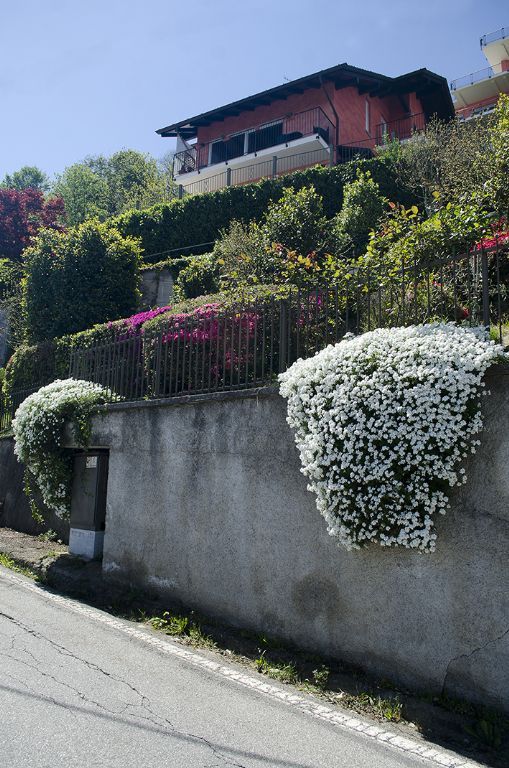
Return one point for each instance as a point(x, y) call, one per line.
point(88, 502)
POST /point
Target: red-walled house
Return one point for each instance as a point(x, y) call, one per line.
point(327, 117)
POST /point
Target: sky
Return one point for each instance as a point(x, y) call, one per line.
point(87, 77)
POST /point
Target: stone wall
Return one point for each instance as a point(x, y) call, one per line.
point(206, 503)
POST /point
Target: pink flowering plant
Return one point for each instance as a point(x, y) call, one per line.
point(209, 345)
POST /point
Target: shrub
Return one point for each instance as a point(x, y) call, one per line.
point(296, 221)
point(36, 364)
point(240, 255)
point(199, 277)
point(498, 185)
point(382, 422)
point(39, 426)
point(292, 244)
point(362, 209)
point(78, 279)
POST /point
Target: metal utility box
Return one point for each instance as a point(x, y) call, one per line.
point(88, 503)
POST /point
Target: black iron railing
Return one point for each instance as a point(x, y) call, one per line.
point(214, 349)
point(247, 345)
point(357, 150)
point(401, 129)
point(277, 133)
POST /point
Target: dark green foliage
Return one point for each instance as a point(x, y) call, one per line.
point(296, 221)
point(200, 218)
point(363, 207)
point(36, 364)
point(199, 277)
point(78, 279)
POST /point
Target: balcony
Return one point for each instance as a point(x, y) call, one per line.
point(303, 132)
point(478, 77)
point(481, 88)
point(494, 37)
point(397, 130)
point(400, 130)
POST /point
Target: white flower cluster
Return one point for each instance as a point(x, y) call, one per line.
point(382, 422)
point(39, 429)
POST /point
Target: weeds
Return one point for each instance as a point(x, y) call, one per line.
point(182, 626)
point(387, 709)
point(321, 677)
point(50, 536)
point(285, 673)
point(8, 562)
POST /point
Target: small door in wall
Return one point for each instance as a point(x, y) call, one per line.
point(88, 503)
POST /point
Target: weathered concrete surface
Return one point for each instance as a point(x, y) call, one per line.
point(207, 503)
point(14, 507)
point(156, 287)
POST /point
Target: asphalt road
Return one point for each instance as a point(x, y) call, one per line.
point(79, 688)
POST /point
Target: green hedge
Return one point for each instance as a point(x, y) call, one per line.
point(197, 219)
point(87, 275)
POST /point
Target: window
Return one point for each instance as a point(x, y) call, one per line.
point(266, 136)
point(367, 117)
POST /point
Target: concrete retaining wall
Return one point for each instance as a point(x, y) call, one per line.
point(156, 287)
point(206, 503)
point(14, 508)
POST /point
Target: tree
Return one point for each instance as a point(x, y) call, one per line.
point(22, 214)
point(296, 220)
point(363, 207)
point(28, 177)
point(84, 192)
point(100, 186)
point(498, 187)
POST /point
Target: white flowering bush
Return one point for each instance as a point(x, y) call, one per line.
point(38, 427)
point(382, 422)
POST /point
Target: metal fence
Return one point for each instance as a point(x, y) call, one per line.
point(247, 344)
point(9, 404)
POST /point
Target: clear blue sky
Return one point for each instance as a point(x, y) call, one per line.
point(82, 77)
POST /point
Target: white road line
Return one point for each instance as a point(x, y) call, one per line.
point(314, 709)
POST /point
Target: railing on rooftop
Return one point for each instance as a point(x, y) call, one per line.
point(492, 37)
point(277, 133)
point(477, 77)
point(401, 130)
